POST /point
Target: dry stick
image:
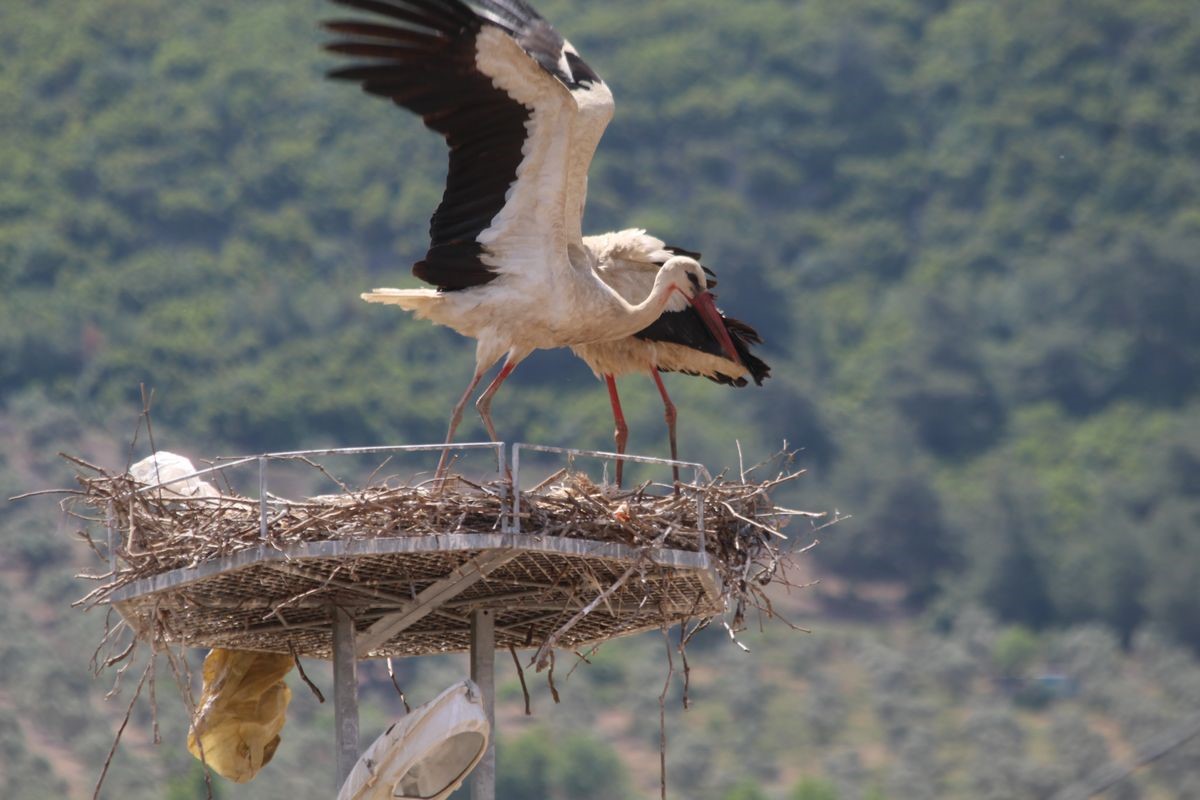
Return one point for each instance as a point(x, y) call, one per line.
point(146, 402)
point(110, 631)
point(76, 460)
point(687, 668)
point(548, 645)
point(550, 680)
point(583, 659)
point(303, 676)
point(121, 730)
point(154, 699)
point(548, 481)
point(662, 717)
point(684, 638)
point(323, 471)
point(116, 687)
point(749, 521)
point(733, 637)
point(86, 536)
point(119, 657)
point(42, 492)
point(773, 614)
point(137, 430)
point(377, 470)
point(392, 674)
point(521, 676)
point(791, 512)
point(185, 689)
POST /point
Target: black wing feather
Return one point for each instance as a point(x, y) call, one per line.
point(423, 59)
point(687, 328)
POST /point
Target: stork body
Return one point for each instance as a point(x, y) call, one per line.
point(678, 341)
point(522, 114)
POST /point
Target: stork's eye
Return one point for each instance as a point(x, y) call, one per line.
point(696, 285)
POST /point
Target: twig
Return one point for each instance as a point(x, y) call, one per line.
point(43, 492)
point(521, 676)
point(550, 680)
point(733, 637)
point(79, 462)
point(687, 668)
point(583, 659)
point(548, 646)
point(396, 684)
point(303, 676)
point(662, 717)
point(749, 521)
point(121, 730)
point(185, 690)
point(157, 738)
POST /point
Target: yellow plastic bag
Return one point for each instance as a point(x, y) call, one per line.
point(241, 711)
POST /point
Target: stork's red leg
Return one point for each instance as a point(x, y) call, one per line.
point(621, 435)
point(484, 404)
point(669, 413)
point(455, 418)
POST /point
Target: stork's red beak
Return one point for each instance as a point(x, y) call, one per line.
point(706, 305)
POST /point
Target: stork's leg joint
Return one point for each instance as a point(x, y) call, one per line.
point(484, 404)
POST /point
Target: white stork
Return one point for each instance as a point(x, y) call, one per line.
point(522, 114)
point(678, 341)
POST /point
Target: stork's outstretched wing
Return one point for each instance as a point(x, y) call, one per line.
point(521, 112)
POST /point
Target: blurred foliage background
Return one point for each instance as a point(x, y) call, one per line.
point(968, 230)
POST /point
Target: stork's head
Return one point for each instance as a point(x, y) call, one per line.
point(685, 276)
point(688, 278)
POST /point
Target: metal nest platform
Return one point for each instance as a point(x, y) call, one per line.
point(412, 596)
point(565, 564)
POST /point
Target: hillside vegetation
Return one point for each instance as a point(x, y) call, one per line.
point(968, 230)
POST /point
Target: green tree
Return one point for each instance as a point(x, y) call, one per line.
point(1014, 651)
point(814, 789)
point(192, 785)
point(747, 790)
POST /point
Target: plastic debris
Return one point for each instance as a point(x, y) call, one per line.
point(174, 471)
point(241, 712)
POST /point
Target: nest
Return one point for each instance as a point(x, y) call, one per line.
point(276, 607)
point(566, 564)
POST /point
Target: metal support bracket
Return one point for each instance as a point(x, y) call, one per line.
point(433, 597)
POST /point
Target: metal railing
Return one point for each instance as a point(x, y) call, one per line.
point(699, 470)
point(510, 521)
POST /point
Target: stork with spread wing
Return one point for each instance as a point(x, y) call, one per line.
point(522, 114)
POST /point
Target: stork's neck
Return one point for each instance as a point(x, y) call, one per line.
point(626, 319)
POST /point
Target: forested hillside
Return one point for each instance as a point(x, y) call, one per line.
point(969, 231)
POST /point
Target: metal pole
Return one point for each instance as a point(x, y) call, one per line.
point(483, 672)
point(345, 694)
